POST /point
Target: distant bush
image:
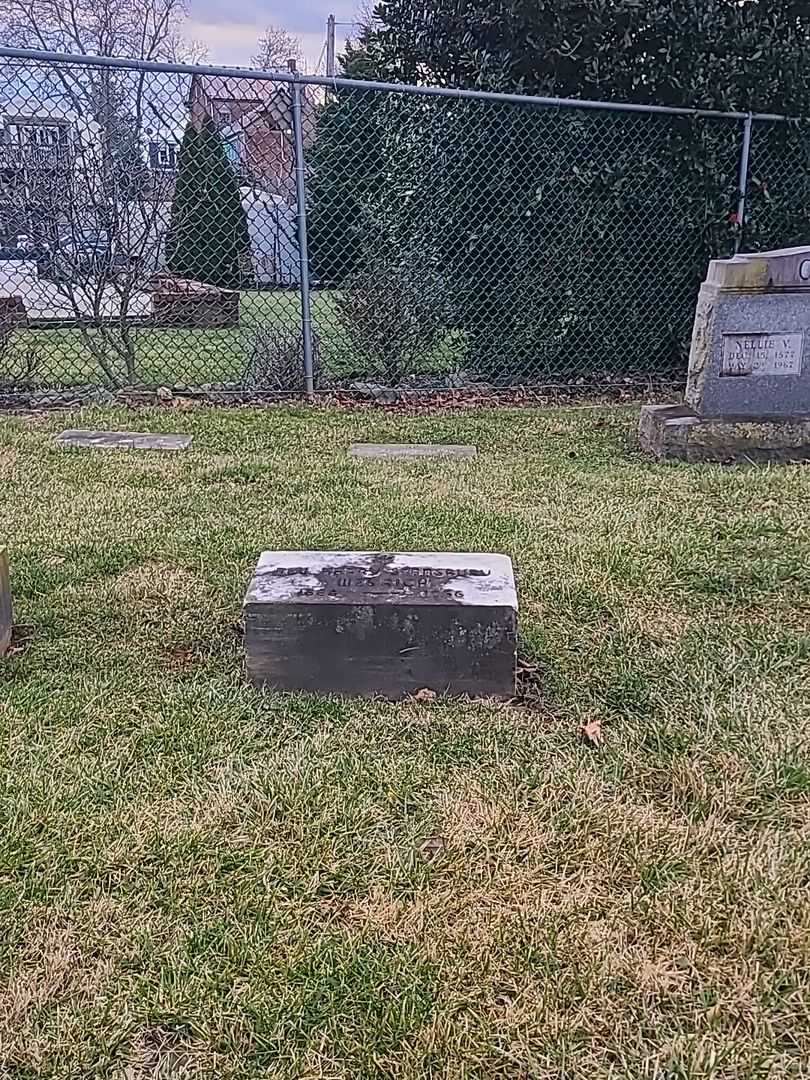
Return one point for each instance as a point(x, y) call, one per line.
point(390, 312)
point(276, 360)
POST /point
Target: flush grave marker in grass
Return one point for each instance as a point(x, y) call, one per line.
point(365, 623)
point(122, 440)
point(408, 450)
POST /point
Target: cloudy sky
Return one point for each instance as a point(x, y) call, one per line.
point(230, 28)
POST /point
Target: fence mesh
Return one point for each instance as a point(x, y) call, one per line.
point(149, 233)
point(510, 243)
point(778, 190)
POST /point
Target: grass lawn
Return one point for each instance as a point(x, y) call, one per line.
point(189, 357)
point(173, 356)
point(198, 880)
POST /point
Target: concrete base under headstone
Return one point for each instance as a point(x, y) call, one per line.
point(676, 432)
point(122, 440)
point(5, 603)
point(365, 623)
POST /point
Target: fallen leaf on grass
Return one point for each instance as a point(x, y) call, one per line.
point(591, 733)
point(432, 847)
point(22, 634)
point(54, 560)
point(528, 683)
point(180, 654)
point(424, 695)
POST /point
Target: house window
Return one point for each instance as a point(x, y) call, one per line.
point(163, 156)
point(38, 135)
point(222, 114)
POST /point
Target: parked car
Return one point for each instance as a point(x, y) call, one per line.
point(24, 248)
point(89, 253)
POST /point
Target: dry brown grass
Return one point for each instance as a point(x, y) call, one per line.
point(156, 582)
point(8, 459)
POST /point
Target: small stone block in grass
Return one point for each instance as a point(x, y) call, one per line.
point(5, 602)
point(365, 623)
point(122, 440)
point(411, 450)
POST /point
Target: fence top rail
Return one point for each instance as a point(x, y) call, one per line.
point(339, 83)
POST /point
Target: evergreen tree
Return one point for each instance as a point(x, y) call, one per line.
point(713, 54)
point(208, 236)
point(346, 164)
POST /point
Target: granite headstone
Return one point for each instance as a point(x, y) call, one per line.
point(748, 383)
point(381, 623)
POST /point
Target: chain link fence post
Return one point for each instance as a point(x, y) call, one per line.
point(303, 254)
point(742, 185)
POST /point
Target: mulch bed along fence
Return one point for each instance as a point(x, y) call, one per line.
point(394, 400)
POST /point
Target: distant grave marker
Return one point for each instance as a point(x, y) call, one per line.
point(410, 450)
point(122, 440)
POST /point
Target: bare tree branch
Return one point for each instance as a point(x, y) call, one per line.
point(141, 29)
point(111, 192)
point(275, 47)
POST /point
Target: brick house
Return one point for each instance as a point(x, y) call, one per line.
point(254, 117)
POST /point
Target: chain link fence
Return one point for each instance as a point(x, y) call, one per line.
point(241, 233)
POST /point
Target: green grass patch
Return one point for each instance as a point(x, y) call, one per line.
point(200, 880)
point(171, 356)
point(185, 356)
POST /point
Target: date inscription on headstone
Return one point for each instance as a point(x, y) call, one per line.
point(762, 354)
point(390, 623)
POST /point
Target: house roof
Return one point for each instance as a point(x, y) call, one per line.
point(235, 88)
point(266, 97)
point(278, 111)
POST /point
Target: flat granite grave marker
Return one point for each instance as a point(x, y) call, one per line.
point(410, 450)
point(5, 603)
point(122, 440)
point(362, 622)
point(748, 385)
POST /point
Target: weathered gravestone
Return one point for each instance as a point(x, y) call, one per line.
point(356, 622)
point(5, 602)
point(748, 385)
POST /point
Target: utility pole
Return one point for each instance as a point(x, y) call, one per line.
point(330, 47)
